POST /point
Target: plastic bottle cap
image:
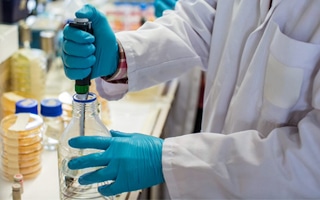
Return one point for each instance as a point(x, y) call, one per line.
point(18, 177)
point(16, 186)
point(27, 106)
point(51, 107)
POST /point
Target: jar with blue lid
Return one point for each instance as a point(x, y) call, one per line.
point(51, 112)
point(27, 105)
point(21, 141)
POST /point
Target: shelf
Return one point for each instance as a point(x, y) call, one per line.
point(9, 41)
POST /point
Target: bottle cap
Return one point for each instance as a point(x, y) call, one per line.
point(27, 106)
point(18, 177)
point(51, 107)
point(16, 187)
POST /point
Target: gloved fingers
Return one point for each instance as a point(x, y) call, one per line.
point(101, 175)
point(170, 3)
point(96, 142)
point(78, 50)
point(74, 74)
point(90, 160)
point(77, 35)
point(111, 189)
point(75, 62)
point(158, 13)
point(161, 6)
point(115, 133)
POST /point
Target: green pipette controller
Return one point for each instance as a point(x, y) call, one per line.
point(82, 86)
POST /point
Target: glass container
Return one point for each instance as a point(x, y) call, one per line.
point(28, 67)
point(21, 137)
point(51, 111)
point(85, 121)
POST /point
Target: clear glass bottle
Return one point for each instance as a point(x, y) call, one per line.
point(21, 145)
point(48, 46)
point(85, 121)
point(51, 111)
point(28, 67)
point(55, 73)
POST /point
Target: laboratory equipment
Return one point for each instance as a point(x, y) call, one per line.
point(47, 41)
point(27, 105)
point(16, 191)
point(51, 111)
point(82, 85)
point(68, 179)
point(21, 137)
point(18, 178)
point(8, 102)
point(28, 67)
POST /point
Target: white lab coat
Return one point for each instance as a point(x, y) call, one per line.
point(261, 122)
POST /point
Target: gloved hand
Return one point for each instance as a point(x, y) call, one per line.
point(132, 161)
point(84, 53)
point(162, 5)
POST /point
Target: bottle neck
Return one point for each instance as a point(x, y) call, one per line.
point(88, 106)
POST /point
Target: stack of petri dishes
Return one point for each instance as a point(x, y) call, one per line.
point(21, 138)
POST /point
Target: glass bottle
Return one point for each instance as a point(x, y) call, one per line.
point(28, 67)
point(47, 44)
point(51, 111)
point(8, 102)
point(85, 121)
point(55, 73)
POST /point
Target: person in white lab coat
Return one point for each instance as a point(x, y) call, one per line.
point(261, 123)
point(182, 117)
point(185, 112)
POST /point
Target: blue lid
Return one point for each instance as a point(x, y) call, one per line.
point(27, 106)
point(143, 6)
point(51, 107)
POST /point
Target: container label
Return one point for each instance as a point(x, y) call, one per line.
point(21, 122)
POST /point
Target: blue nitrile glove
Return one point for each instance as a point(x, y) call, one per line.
point(162, 5)
point(83, 52)
point(132, 161)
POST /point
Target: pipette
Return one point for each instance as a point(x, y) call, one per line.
point(82, 86)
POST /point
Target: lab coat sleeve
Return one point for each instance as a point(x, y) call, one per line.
point(110, 91)
point(242, 165)
point(162, 50)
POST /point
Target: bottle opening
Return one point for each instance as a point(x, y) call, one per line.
point(90, 97)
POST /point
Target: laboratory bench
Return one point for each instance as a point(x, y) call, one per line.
point(144, 112)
